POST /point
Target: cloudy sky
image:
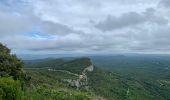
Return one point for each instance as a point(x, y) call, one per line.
point(85, 26)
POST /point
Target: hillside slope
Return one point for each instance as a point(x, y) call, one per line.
point(73, 74)
point(62, 78)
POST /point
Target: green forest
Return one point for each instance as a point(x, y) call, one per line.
point(86, 78)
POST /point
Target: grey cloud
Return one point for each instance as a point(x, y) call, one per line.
point(151, 40)
point(130, 19)
point(112, 22)
point(69, 42)
point(165, 3)
point(55, 28)
point(66, 23)
point(15, 23)
point(137, 41)
point(15, 20)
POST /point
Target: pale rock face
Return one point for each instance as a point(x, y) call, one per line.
point(82, 81)
point(77, 83)
point(81, 77)
point(90, 68)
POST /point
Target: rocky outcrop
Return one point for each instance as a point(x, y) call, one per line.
point(82, 81)
point(85, 66)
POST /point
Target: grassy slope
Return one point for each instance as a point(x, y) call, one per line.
point(76, 66)
point(45, 85)
point(118, 85)
point(150, 74)
point(115, 87)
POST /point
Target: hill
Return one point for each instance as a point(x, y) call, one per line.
point(111, 84)
point(101, 78)
point(38, 82)
point(145, 76)
point(68, 78)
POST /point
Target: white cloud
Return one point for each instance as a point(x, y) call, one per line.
point(122, 25)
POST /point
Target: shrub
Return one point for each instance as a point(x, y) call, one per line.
point(10, 89)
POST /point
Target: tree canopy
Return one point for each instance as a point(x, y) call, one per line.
point(10, 65)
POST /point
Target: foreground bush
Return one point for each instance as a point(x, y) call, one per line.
point(10, 89)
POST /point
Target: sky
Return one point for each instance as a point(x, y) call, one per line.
point(85, 26)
